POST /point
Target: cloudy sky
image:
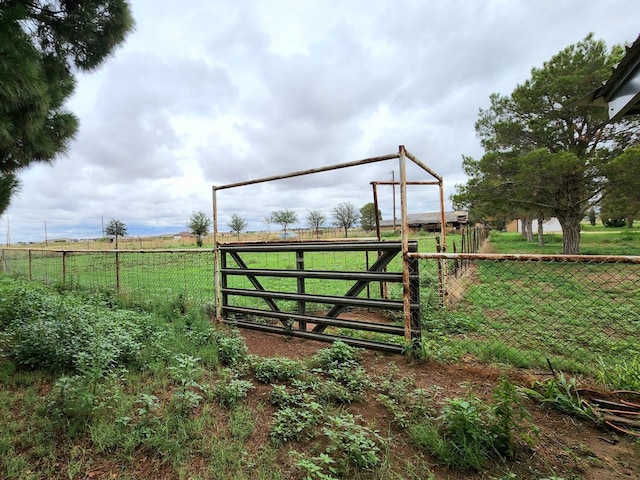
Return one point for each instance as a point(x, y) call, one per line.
point(215, 92)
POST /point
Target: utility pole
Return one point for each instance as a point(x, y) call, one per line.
point(46, 241)
point(393, 179)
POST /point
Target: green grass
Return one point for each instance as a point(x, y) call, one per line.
point(597, 240)
point(526, 314)
point(523, 314)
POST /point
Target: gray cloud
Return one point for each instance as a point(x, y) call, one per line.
point(206, 93)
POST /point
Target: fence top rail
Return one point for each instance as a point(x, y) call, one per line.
point(328, 246)
point(112, 250)
point(529, 257)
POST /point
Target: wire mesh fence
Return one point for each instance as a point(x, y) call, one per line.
point(142, 275)
point(575, 314)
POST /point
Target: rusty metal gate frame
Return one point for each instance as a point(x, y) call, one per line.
point(296, 323)
point(402, 157)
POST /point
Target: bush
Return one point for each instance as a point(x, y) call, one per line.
point(47, 330)
point(468, 431)
point(232, 350)
point(270, 370)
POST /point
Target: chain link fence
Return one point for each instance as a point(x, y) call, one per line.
point(577, 314)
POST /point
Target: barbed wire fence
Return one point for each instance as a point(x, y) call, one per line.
point(573, 313)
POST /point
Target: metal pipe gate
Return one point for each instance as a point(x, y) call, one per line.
point(296, 321)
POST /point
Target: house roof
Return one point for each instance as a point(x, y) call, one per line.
point(621, 92)
point(457, 216)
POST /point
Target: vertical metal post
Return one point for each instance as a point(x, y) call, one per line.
point(383, 285)
point(404, 235)
point(117, 272)
point(442, 263)
point(443, 218)
point(216, 258)
point(223, 283)
point(64, 267)
point(375, 205)
point(302, 306)
point(30, 266)
point(414, 287)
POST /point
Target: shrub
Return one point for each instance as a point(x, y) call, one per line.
point(230, 389)
point(66, 332)
point(295, 422)
point(357, 444)
point(469, 431)
point(270, 370)
point(338, 355)
point(232, 350)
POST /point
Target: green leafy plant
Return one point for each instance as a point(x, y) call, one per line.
point(232, 350)
point(185, 372)
point(268, 370)
point(315, 467)
point(295, 422)
point(345, 379)
point(468, 431)
point(229, 390)
point(563, 394)
point(76, 400)
point(338, 355)
point(623, 374)
point(357, 445)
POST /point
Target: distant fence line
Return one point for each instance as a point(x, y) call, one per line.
point(156, 274)
point(575, 312)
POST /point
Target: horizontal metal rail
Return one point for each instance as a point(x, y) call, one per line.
point(332, 322)
point(321, 337)
point(317, 274)
point(314, 246)
point(309, 298)
point(501, 257)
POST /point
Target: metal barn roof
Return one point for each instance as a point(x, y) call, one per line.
point(621, 92)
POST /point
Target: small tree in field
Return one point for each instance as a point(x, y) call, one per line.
point(345, 215)
point(199, 225)
point(237, 224)
point(315, 221)
point(284, 218)
point(368, 217)
point(592, 216)
point(115, 228)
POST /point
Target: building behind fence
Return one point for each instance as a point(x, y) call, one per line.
point(579, 313)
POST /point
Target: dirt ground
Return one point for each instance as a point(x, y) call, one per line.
point(565, 447)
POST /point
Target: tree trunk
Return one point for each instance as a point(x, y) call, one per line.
point(570, 234)
point(629, 222)
point(541, 231)
point(528, 230)
point(346, 232)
